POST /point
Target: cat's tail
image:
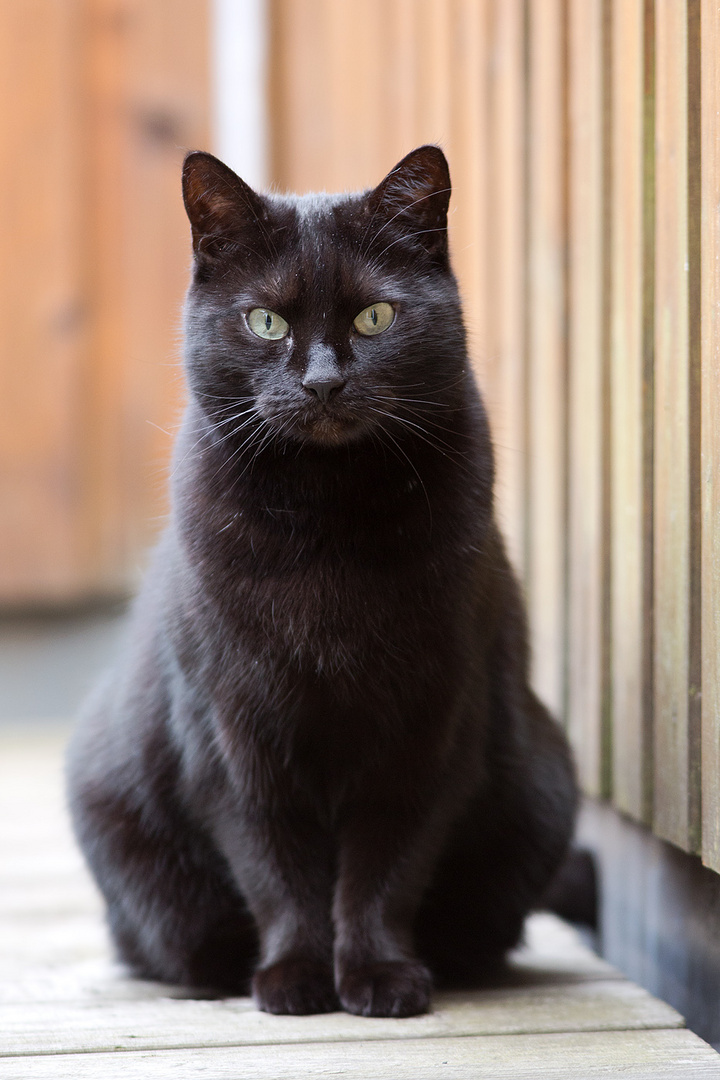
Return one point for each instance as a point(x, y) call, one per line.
point(573, 893)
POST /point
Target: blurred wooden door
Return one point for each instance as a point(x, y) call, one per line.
point(100, 99)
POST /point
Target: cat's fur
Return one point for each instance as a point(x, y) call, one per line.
point(319, 763)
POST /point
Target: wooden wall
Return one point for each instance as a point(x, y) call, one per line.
point(100, 99)
point(584, 145)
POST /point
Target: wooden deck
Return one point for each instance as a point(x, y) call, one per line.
point(67, 1011)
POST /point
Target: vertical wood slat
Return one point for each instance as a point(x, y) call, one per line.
point(148, 84)
point(468, 134)
point(629, 616)
point(105, 94)
point(546, 349)
point(585, 377)
point(506, 148)
point(676, 745)
point(301, 138)
point(43, 301)
point(433, 102)
point(710, 96)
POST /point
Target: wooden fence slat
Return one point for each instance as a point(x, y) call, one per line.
point(676, 751)
point(148, 79)
point(43, 302)
point(629, 618)
point(710, 95)
point(401, 75)
point(468, 135)
point(301, 95)
point(505, 285)
point(546, 349)
point(433, 101)
point(95, 254)
point(585, 378)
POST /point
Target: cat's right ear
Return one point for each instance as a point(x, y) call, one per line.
point(221, 207)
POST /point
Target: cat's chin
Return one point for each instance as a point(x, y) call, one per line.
point(331, 431)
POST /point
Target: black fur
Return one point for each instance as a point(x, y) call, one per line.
point(319, 765)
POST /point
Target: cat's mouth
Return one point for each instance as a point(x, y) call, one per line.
point(326, 424)
point(329, 429)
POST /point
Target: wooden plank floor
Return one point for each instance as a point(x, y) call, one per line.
point(66, 1010)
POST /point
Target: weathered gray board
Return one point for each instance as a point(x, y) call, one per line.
point(634, 1055)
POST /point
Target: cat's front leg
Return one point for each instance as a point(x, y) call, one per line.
point(282, 867)
point(385, 860)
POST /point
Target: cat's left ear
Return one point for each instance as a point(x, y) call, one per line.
point(221, 207)
point(415, 198)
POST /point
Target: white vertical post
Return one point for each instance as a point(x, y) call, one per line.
point(239, 40)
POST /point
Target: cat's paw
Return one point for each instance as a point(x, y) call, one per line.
point(295, 986)
point(397, 988)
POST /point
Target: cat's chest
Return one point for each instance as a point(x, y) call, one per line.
point(343, 612)
point(333, 609)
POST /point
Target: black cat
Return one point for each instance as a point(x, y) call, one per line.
point(319, 762)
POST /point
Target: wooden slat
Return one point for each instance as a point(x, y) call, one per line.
point(630, 388)
point(710, 96)
point(585, 377)
point(164, 1023)
point(547, 379)
point(504, 280)
point(467, 135)
point(676, 789)
point(433, 101)
point(357, 105)
point(94, 257)
point(399, 113)
point(149, 101)
point(634, 1055)
point(43, 301)
point(300, 93)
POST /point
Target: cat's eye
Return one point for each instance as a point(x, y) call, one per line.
point(267, 324)
point(374, 319)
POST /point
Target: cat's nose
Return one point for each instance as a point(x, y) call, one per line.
point(323, 376)
point(323, 387)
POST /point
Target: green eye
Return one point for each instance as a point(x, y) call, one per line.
point(267, 324)
point(374, 319)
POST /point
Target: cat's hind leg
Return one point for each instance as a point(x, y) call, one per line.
point(174, 911)
point(501, 855)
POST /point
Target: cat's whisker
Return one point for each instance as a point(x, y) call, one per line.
point(268, 437)
point(434, 424)
point(416, 401)
point(254, 434)
point(420, 433)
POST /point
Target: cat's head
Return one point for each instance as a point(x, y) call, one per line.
point(322, 318)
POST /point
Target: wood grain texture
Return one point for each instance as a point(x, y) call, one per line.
point(585, 379)
point(547, 374)
point(629, 617)
point(710, 96)
point(676, 743)
point(637, 1055)
point(148, 72)
point(43, 301)
point(94, 259)
point(165, 1023)
point(505, 285)
point(467, 134)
